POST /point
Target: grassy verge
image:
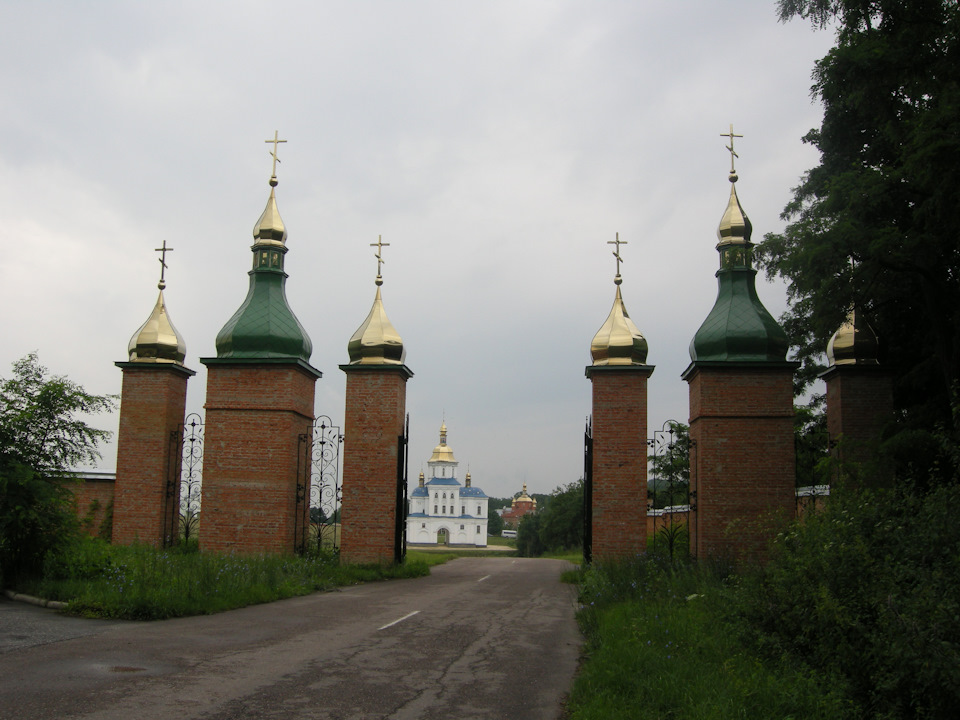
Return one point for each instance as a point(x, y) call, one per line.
point(143, 583)
point(660, 644)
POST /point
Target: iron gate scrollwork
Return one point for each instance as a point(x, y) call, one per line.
point(317, 526)
point(588, 492)
point(400, 527)
point(670, 500)
point(181, 515)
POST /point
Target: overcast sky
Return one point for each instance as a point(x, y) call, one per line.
point(496, 145)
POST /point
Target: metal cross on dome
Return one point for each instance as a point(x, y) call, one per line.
point(729, 147)
point(616, 253)
point(273, 153)
point(163, 261)
point(379, 245)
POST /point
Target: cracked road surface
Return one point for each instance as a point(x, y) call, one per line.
point(479, 638)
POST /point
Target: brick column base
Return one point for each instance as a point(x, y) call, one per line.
point(152, 401)
point(859, 406)
point(619, 459)
point(742, 470)
point(256, 413)
point(373, 421)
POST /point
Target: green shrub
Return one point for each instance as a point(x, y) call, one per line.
point(869, 588)
point(660, 646)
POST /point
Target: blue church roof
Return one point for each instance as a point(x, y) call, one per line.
point(442, 481)
point(472, 492)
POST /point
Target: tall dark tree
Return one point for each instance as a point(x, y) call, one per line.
point(876, 224)
point(43, 437)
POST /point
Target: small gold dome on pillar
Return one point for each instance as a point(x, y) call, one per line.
point(376, 342)
point(157, 340)
point(618, 341)
point(854, 343)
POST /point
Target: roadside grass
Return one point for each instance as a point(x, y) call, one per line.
point(661, 643)
point(144, 583)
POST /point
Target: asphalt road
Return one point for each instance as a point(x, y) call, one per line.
point(479, 638)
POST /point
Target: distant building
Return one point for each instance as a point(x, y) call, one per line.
point(442, 511)
point(522, 505)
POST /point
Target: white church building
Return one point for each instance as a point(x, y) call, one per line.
point(442, 511)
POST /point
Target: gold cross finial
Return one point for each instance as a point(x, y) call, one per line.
point(730, 147)
point(616, 253)
point(273, 153)
point(163, 262)
point(379, 245)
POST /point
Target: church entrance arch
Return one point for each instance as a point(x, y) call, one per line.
point(443, 537)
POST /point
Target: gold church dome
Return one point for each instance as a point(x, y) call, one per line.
point(854, 343)
point(442, 452)
point(376, 341)
point(157, 340)
point(618, 341)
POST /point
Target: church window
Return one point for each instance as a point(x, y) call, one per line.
point(461, 527)
point(444, 496)
point(478, 529)
point(478, 510)
point(434, 509)
point(423, 525)
point(436, 495)
point(444, 509)
point(463, 509)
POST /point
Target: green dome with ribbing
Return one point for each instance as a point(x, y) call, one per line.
point(739, 328)
point(264, 326)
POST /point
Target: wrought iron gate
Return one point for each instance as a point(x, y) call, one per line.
point(670, 499)
point(400, 528)
point(317, 516)
point(588, 492)
point(181, 515)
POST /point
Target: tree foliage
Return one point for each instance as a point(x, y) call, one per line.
point(558, 525)
point(875, 225)
point(43, 436)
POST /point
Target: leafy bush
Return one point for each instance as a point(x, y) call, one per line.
point(869, 588)
point(659, 645)
point(41, 440)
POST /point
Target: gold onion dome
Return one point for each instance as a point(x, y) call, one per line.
point(618, 341)
point(442, 452)
point(270, 229)
point(376, 341)
point(854, 343)
point(735, 227)
point(158, 340)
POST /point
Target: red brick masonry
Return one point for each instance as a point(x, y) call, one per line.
point(255, 415)
point(742, 460)
point(152, 402)
point(373, 421)
point(619, 459)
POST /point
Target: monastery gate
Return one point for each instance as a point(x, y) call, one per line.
point(270, 469)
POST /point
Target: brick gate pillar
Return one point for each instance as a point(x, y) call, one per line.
point(260, 397)
point(742, 473)
point(859, 404)
point(619, 510)
point(256, 414)
point(146, 501)
point(374, 420)
point(618, 377)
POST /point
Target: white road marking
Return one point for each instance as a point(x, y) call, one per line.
point(399, 620)
point(483, 578)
